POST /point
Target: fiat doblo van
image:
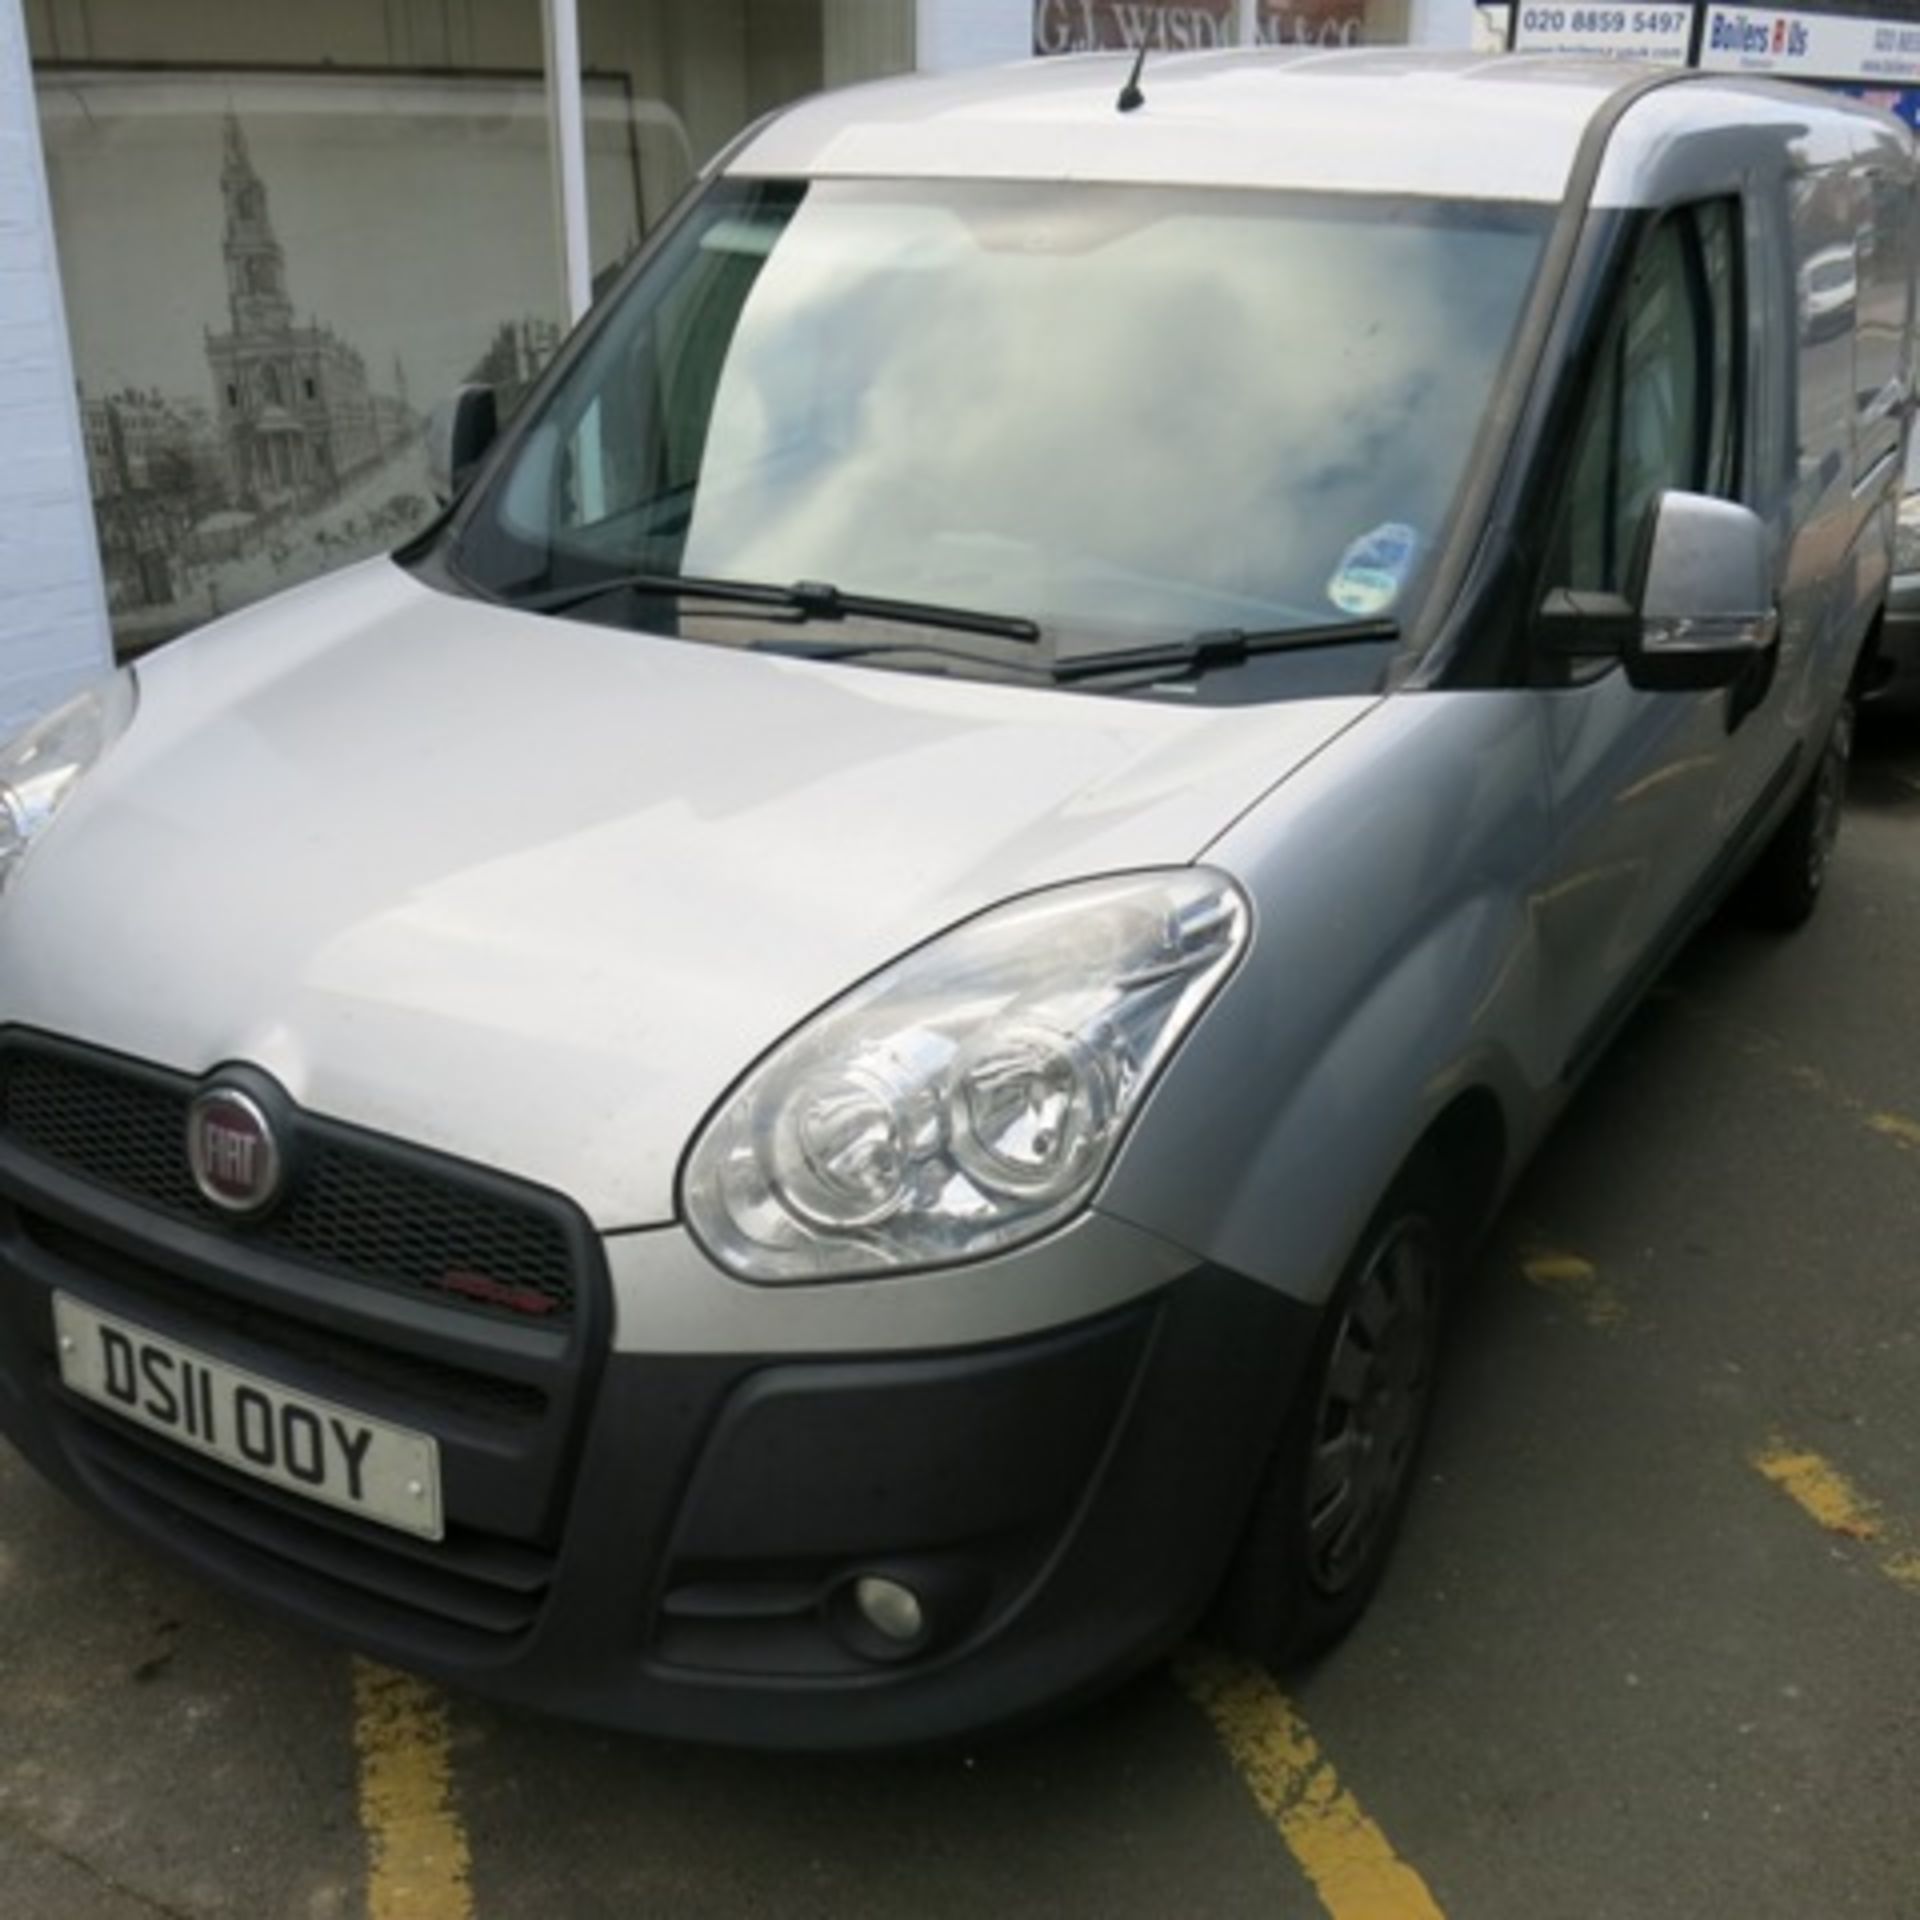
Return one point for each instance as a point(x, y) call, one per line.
point(817, 1074)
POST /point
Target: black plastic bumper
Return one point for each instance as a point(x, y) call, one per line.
point(1063, 1505)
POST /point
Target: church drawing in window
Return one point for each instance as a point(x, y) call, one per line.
point(298, 416)
point(254, 325)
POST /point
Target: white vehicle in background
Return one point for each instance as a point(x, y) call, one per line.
point(818, 1073)
point(1894, 686)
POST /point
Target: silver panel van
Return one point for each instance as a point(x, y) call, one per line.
point(819, 1072)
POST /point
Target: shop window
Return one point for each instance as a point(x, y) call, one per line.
point(1181, 26)
point(243, 159)
point(690, 75)
point(258, 201)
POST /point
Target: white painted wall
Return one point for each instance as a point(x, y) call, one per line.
point(973, 33)
point(53, 614)
point(1440, 23)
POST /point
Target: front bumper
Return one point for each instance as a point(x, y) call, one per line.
point(666, 1541)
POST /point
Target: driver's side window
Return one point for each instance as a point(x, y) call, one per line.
point(1663, 405)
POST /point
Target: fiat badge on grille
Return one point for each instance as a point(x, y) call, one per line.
point(230, 1145)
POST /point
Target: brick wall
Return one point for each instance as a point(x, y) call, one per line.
point(53, 621)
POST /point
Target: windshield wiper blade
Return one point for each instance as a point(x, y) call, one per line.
point(797, 647)
point(1220, 647)
point(810, 599)
point(563, 599)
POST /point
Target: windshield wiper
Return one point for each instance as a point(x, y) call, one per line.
point(809, 599)
point(1198, 653)
point(1219, 647)
point(797, 647)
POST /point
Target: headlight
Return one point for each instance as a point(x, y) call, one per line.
point(40, 767)
point(970, 1096)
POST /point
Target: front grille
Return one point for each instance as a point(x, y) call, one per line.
point(346, 1362)
point(119, 1131)
point(340, 1292)
point(357, 1207)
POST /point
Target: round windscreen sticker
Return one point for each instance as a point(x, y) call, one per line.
point(1373, 570)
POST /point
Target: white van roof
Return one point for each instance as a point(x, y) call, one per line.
point(1380, 120)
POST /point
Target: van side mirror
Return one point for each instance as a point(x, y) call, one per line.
point(1702, 611)
point(459, 431)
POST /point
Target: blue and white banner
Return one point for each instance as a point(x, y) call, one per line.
point(1811, 46)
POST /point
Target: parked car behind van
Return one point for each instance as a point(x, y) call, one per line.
point(1894, 685)
point(821, 1071)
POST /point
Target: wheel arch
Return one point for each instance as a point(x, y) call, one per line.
point(1470, 1143)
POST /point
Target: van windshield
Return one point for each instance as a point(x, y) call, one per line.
point(1123, 415)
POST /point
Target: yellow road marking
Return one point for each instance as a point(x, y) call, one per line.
point(1821, 1489)
point(1897, 1128)
point(1356, 1873)
point(1828, 1497)
point(1576, 1281)
point(1903, 1569)
point(1757, 1042)
point(418, 1864)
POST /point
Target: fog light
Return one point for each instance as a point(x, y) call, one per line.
point(892, 1610)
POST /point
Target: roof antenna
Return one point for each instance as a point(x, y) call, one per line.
point(1130, 94)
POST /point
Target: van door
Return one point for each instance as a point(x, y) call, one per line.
point(1848, 245)
point(1649, 791)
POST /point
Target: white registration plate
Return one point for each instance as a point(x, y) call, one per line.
point(308, 1446)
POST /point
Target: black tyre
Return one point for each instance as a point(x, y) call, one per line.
point(1785, 885)
point(1327, 1513)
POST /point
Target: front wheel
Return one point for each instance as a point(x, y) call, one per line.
point(1325, 1518)
point(1786, 883)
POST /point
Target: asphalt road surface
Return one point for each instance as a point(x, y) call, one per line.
point(1651, 1647)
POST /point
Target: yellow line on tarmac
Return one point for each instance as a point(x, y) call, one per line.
point(1576, 1281)
point(1897, 1128)
point(1356, 1873)
point(417, 1864)
point(1759, 1043)
point(1820, 1489)
point(1827, 1496)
